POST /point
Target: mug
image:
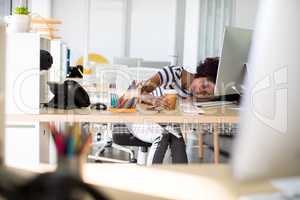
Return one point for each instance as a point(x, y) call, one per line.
point(171, 96)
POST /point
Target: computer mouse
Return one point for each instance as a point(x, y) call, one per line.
point(99, 106)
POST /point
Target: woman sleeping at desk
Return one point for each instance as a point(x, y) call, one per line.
point(187, 85)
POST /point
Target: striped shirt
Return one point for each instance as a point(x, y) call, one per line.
point(170, 78)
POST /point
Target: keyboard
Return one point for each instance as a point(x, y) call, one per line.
point(213, 104)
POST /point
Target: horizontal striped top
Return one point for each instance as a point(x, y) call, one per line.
point(170, 78)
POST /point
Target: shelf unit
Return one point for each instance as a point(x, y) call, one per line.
point(26, 87)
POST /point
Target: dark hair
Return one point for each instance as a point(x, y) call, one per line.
point(208, 69)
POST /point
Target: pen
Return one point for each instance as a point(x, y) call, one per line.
point(86, 144)
point(70, 150)
point(58, 139)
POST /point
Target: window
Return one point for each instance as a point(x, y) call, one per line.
point(204, 27)
point(4, 7)
point(214, 16)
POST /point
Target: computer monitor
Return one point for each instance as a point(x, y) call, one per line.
point(268, 143)
point(2, 76)
point(234, 55)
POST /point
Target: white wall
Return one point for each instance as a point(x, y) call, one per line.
point(153, 29)
point(72, 15)
point(42, 7)
point(106, 26)
point(246, 11)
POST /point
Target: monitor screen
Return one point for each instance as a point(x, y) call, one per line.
point(234, 56)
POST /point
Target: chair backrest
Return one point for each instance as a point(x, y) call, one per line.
point(142, 73)
point(113, 74)
point(130, 62)
point(155, 64)
point(122, 75)
point(107, 74)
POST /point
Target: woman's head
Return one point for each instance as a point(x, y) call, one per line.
point(204, 81)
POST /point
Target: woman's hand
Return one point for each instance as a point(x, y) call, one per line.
point(156, 101)
point(160, 102)
point(150, 85)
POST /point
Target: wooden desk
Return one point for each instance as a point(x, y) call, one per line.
point(226, 114)
point(168, 182)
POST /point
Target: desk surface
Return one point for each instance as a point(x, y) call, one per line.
point(168, 182)
point(225, 114)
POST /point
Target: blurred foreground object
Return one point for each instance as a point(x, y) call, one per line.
point(268, 143)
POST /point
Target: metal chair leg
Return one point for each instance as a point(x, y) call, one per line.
point(131, 152)
point(142, 156)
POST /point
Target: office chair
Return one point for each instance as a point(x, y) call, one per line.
point(123, 137)
point(117, 136)
point(103, 136)
point(155, 64)
point(141, 73)
point(129, 62)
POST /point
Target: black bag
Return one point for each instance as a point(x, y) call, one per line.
point(46, 60)
point(68, 95)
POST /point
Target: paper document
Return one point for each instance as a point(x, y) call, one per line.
point(213, 103)
point(273, 196)
point(289, 190)
point(191, 109)
point(290, 186)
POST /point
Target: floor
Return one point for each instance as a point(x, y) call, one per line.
point(192, 152)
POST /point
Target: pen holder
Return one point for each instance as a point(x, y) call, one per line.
point(71, 148)
point(70, 166)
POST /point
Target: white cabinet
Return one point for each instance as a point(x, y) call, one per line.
point(22, 145)
point(24, 90)
point(46, 146)
point(23, 73)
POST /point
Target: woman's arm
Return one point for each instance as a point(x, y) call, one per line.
point(151, 84)
point(161, 79)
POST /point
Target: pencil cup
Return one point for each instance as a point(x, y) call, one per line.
point(70, 166)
